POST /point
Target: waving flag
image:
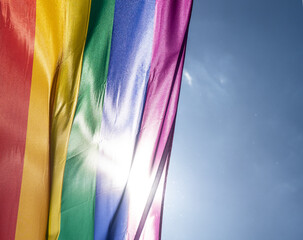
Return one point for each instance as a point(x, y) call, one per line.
point(88, 99)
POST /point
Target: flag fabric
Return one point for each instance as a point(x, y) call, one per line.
point(88, 99)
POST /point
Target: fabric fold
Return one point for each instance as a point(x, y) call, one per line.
point(78, 192)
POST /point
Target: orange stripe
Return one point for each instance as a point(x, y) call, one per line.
point(59, 43)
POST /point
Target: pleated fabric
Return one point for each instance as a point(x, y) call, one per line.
point(72, 22)
point(124, 97)
point(155, 136)
point(59, 41)
point(79, 185)
point(88, 99)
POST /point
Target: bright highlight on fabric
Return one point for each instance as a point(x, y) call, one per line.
point(88, 99)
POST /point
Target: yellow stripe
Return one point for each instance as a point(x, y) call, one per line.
point(61, 28)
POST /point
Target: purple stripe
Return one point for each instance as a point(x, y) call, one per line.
point(172, 19)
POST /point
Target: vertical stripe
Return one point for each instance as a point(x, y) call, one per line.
point(172, 18)
point(155, 192)
point(78, 193)
point(125, 91)
point(155, 211)
point(58, 48)
point(17, 32)
point(73, 20)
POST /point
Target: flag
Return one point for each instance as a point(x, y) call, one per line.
point(88, 99)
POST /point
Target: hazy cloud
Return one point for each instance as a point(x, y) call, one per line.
point(188, 77)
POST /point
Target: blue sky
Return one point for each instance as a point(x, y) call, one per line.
point(236, 170)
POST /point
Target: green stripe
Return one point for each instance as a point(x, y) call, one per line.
point(78, 194)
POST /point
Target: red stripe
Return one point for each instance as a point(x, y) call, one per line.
point(17, 33)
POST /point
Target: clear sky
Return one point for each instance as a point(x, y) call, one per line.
point(236, 171)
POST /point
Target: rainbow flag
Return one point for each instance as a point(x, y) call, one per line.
point(88, 98)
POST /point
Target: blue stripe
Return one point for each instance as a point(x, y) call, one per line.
point(128, 73)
